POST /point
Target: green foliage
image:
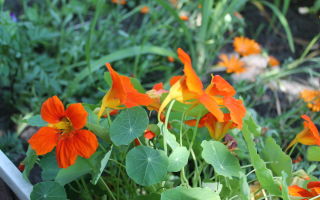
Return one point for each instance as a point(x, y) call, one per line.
point(277, 159)
point(49, 167)
point(183, 193)
point(48, 190)
point(218, 155)
point(98, 127)
point(146, 166)
point(100, 166)
point(178, 159)
point(128, 125)
point(29, 161)
point(313, 153)
point(37, 121)
point(264, 175)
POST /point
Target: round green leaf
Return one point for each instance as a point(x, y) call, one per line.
point(128, 125)
point(178, 159)
point(313, 153)
point(223, 162)
point(48, 190)
point(183, 193)
point(146, 166)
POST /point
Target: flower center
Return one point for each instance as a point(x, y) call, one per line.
point(64, 125)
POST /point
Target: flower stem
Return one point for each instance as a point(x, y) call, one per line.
point(107, 187)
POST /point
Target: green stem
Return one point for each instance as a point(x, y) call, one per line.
point(294, 146)
point(85, 187)
point(107, 187)
point(166, 126)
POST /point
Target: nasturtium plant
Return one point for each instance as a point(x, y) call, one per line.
point(277, 160)
point(183, 193)
point(217, 154)
point(48, 190)
point(178, 159)
point(146, 166)
point(128, 125)
point(313, 153)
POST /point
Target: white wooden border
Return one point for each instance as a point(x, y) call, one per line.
point(13, 178)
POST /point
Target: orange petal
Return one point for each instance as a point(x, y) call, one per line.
point(237, 110)
point(193, 82)
point(212, 106)
point(219, 86)
point(193, 122)
point(65, 153)
point(43, 141)
point(133, 97)
point(118, 87)
point(297, 191)
point(315, 191)
point(308, 123)
point(84, 142)
point(158, 86)
point(77, 115)
point(149, 134)
point(313, 184)
point(52, 110)
point(175, 79)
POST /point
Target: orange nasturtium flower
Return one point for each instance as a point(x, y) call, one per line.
point(245, 46)
point(313, 190)
point(64, 131)
point(312, 98)
point(184, 17)
point(273, 62)
point(233, 64)
point(216, 129)
point(219, 94)
point(122, 2)
point(144, 10)
point(309, 135)
point(122, 93)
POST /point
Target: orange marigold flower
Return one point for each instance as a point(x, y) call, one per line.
point(245, 46)
point(144, 10)
point(312, 98)
point(233, 64)
point(149, 134)
point(309, 135)
point(64, 132)
point(219, 94)
point(122, 2)
point(273, 62)
point(313, 190)
point(170, 59)
point(122, 93)
point(184, 18)
point(216, 129)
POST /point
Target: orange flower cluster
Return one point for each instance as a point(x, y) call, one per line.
point(64, 131)
point(312, 98)
point(309, 135)
point(219, 94)
point(313, 190)
point(65, 127)
point(244, 47)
